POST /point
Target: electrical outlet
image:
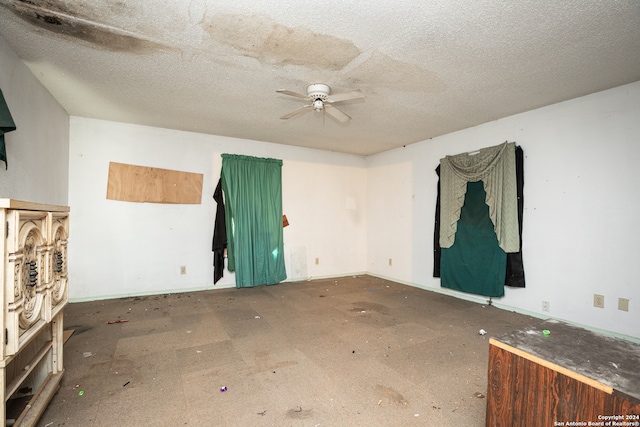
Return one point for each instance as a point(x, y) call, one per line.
point(598, 301)
point(317, 261)
point(183, 269)
point(390, 262)
point(545, 306)
point(623, 304)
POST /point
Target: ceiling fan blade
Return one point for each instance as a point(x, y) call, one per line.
point(354, 94)
point(288, 92)
point(337, 114)
point(297, 111)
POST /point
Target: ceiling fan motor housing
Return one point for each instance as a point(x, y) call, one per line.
point(318, 91)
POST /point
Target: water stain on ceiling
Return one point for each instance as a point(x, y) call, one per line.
point(65, 21)
point(259, 37)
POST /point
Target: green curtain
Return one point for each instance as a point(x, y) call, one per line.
point(252, 189)
point(475, 263)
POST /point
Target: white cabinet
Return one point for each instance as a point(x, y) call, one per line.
point(35, 279)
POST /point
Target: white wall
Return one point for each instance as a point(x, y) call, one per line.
point(38, 150)
point(325, 204)
point(582, 198)
point(123, 248)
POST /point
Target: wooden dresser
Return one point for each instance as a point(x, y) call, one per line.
point(34, 274)
point(555, 374)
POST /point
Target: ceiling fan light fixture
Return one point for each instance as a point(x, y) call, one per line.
point(319, 99)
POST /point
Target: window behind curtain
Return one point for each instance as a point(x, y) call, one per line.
point(252, 189)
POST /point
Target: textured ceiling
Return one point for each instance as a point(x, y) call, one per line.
point(426, 67)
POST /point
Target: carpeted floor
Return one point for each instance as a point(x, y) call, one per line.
point(356, 351)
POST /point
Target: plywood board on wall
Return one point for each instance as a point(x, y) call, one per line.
point(131, 183)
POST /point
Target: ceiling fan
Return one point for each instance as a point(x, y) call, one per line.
point(320, 99)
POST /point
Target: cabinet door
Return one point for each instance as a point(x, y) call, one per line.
point(27, 305)
point(57, 278)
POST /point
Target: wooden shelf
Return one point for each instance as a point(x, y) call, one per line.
point(15, 383)
point(38, 403)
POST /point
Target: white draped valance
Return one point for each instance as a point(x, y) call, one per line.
point(496, 168)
